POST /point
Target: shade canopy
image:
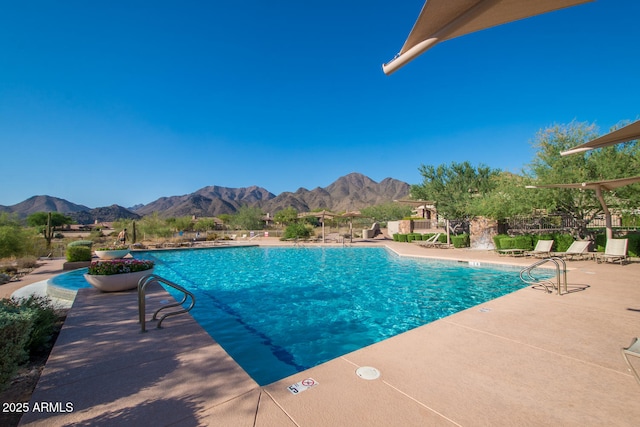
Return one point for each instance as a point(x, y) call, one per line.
point(442, 20)
point(598, 186)
point(321, 215)
point(624, 134)
point(607, 185)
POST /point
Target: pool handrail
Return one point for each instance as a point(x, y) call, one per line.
point(154, 278)
point(561, 275)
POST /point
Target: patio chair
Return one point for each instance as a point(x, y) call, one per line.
point(542, 249)
point(577, 250)
point(430, 242)
point(614, 250)
point(632, 350)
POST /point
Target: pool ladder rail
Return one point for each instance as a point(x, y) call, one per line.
point(154, 278)
point(548, 284)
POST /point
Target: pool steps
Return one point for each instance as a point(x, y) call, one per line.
point(154, 278)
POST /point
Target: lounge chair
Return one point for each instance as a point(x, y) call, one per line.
point(430, 242)
point(632, 350)
point(577, 250)
point(614, 250)
point(542, 249)
point(372, 232)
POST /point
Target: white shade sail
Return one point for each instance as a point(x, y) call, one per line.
point(624, 134)
point(442, 20)
point(608, 185)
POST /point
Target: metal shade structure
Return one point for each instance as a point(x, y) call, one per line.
point(599, 187)
point(442, 20)
point(320, 215)
point(624, 134)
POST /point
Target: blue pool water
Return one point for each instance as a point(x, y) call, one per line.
point(278, 311)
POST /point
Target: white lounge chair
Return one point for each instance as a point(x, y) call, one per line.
point(614, 250)
point(632, 350)
point(542, 249)
point(430, 242)
point(577, 250)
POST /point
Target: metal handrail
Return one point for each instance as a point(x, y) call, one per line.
point(549, 285)
point(154, 278)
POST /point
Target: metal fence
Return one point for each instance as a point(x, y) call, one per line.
point(559, 222)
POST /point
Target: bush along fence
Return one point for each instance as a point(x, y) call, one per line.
point(458, 241)
point(561, 242)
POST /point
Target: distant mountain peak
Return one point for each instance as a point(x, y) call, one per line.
point(349, 192)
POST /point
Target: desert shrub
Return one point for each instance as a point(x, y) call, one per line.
point(518, 242)
point(87, 243)
point(497, 240)
point(524, 242)
point(44, 320)
point(563, 241)
point(27, 262)
point(27, 327)
point(414, 236)
point(507, 243)
point(296, 231)
point(78, 253)
point(14, 335)
point(96, 234)
point(460, 241)
point(634, 244)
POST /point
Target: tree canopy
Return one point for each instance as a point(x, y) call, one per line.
point(549, 167)
point(39, 219)
point(454, 187)
point(461, 191)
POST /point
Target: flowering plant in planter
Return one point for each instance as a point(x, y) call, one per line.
point(118, 266)
point(113, 248)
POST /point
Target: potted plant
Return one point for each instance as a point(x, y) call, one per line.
point(112, 252)
point(115, 275)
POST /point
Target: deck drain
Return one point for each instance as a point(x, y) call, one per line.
point(368, 373)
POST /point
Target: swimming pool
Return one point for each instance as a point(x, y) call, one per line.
point(278, 311)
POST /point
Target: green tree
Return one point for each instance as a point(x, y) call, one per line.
point(248, 218)
point(549, 167)
point(154, 226)
point(204, 224)
point(509, 197)
point(296, 231)
point(182, 223)
point(454, 187)
point(227, 219)
point(39, 219)
point(286, 216)
point(12, 236)
point(386, 212)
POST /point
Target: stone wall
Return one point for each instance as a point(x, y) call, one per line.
point(481, 232)
point(405, 226)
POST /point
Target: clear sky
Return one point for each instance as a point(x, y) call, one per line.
point(128, 101)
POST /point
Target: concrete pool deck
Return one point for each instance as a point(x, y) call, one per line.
point(528, 358)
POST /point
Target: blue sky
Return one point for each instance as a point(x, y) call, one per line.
point(125, 102)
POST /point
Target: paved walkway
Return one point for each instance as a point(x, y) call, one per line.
point(528, 358)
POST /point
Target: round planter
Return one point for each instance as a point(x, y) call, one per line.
point(116, 282)
point(120, 253)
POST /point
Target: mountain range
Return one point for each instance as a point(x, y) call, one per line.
point(350, 192)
